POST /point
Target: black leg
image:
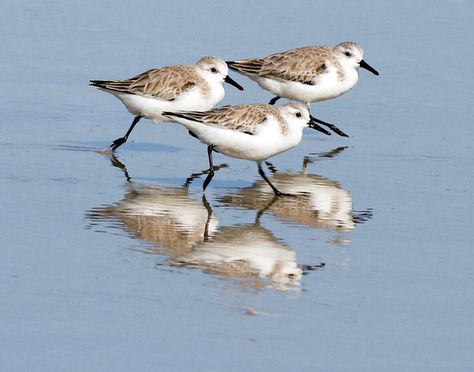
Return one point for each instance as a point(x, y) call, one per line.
point(194, 176)
point(262, 173)
point(273, 100)
point(120, 141)
point(208, 179)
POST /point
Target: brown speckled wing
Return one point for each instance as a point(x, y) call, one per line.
point(241, 118)
point(299, 65)
point(164, 83)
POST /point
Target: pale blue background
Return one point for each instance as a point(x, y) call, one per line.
point(399, 297)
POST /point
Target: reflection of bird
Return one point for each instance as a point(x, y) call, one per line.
point(319, 202)
point(180, 227)
point(247, 251)
point(186, 230)
point(252, 132)
point(167, 217)
point(171, 88)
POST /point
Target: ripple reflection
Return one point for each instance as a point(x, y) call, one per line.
point(184, 227)
point(167, 217)
point(319, 202)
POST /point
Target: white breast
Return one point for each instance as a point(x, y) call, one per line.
point(326, 86)
point(196, 99)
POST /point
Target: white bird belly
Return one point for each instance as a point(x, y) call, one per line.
point(267, 142)
point(327, 86)
point(151, 108)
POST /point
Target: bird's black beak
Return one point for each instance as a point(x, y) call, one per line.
point(231, 81)
point(368, 67)
point(334, 128)
point(313, 124)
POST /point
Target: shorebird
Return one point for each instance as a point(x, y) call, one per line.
point(171, 88)
point(307, 74)
point(252, 132)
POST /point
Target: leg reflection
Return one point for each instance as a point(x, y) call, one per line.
point(118, 164)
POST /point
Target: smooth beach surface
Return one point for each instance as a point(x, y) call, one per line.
point(120, 264)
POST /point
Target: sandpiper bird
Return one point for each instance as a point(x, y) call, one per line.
point(252, 132)
point(171, 88)
point(308, 74)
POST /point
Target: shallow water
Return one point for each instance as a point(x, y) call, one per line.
point(122, 264)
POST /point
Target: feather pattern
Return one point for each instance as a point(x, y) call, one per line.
point(301, 65)
point(165, 83)
point(241, 118)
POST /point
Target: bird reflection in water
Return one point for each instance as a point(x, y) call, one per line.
point(184, 228)
point(318, 202)
point(249, 252)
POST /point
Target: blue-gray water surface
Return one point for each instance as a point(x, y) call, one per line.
point(119, 264)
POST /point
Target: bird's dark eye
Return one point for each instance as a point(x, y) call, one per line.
point(214, 70)
point(298, 114)
point(348, 54)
